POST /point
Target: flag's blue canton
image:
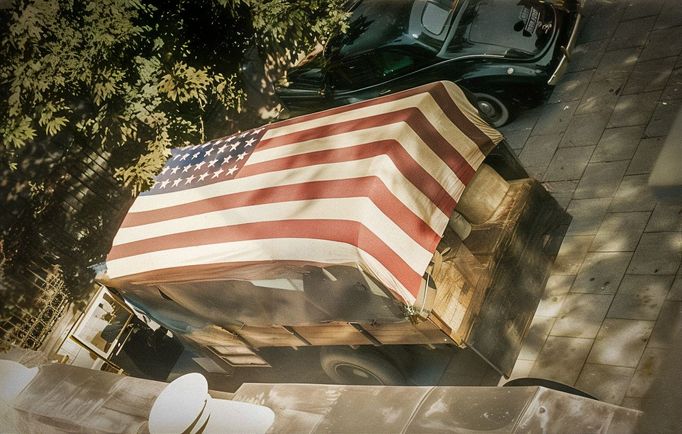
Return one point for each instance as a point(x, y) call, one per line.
point(214, 161)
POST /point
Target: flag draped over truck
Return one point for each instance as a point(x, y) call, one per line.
point(371, 184)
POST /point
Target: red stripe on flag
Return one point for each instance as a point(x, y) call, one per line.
point(439, 94)
point(370, 187)
point(411, 170)
point(412, 116)
point(343, 231)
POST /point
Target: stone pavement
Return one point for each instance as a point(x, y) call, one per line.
point(603, 324)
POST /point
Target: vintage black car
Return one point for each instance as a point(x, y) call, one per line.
point(506, 52)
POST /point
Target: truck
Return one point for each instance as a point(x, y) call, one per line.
point(366, 231)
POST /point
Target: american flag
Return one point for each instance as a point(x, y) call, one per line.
point(371, 184)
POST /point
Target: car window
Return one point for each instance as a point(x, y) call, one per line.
point(377, 66)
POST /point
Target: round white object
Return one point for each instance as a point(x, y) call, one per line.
point(14, 377)
point(232, 417)
point(185, 406)
point(179, 405)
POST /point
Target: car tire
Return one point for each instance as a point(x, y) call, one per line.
point(492, 109)
point(364, 366)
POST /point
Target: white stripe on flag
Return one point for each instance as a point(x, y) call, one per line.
point(400, 132)
point(361, 210)
point(380, 166)
point(423, 101)
point(283, 249)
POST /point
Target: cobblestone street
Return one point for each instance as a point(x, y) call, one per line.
point(605, 319)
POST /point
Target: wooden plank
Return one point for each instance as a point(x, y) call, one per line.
point(332, 334)
point(269, 337)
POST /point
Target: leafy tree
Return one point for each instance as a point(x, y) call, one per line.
point(132, 79)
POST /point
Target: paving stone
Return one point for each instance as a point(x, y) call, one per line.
point(645, 156)
point(601, 24)
point(620, 342)
point(536, 337)
point(664, 330)
point(571, 87)
point(620, 232)
point(673, 88)
point(605, 382)
point(633, 194)
point(665, 218)
point(571, 254)
point(601, 179)
point(631, 402)
point(650, 75)
point(521, 370)
point(587, 215)
point(561, 359)
point(675, 293)
point(617, 144)
point(568, 163)
point(670, 16)
point(642, 8)
point(617, 62)
point(602, 93)
point(662, 118)
point(587, 56)
point(649, 366)
point(662, 43)
point(634, 109)
point(657, 253)
point(555, 118)
point(525, 120)
point(517, 139)
point(601, 273)
point(585, 129)
point(640, 297)
point(557, 287)
point(632, 33)
point(538, 152)
point(581, 315)
point(562, 191)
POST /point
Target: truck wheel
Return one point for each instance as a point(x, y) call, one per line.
point(364, 366)
point(494, 111)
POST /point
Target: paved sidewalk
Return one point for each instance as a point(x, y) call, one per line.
point(616, 288)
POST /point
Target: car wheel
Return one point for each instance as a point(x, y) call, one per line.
point(494, 111)
point(364, 366)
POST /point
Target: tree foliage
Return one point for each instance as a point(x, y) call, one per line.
point(132, 79)
point(141, 74)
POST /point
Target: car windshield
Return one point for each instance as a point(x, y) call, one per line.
point(501, 27)
point(305, 295)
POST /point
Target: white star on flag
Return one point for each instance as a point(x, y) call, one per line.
point(217, 173)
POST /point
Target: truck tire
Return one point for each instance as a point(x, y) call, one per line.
point(364, 366)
